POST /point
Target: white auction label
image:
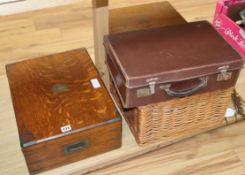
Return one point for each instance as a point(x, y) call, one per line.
point(65, 128)
point(95, 83)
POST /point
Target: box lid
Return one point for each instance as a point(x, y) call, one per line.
point(58, 95)
point(171, 54)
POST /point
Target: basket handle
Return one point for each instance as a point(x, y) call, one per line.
point(186, 92)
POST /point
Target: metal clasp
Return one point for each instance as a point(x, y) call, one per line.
point(147, 91)
point(152, 87)
point(224, 74)
point(152, 84)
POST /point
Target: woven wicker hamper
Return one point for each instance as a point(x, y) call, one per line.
point(176, 119)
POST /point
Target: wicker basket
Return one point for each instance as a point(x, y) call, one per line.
point(177, 119)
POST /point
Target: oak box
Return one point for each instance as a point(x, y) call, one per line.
point(63, 110)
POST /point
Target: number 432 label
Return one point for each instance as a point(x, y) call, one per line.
point(66, 128)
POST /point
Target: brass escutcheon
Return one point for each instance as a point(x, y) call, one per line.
point(58, 88)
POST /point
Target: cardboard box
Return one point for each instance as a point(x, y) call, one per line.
point(226, 14)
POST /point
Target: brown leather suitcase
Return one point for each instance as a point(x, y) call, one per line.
point(156, 65)
point(63, 110)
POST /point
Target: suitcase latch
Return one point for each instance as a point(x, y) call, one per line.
point(152, 83)
point(152, 87)
point(224, 75)
point(147, 91)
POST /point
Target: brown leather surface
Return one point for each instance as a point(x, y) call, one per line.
point(160, 95)
point(129, 99)
point(176, 55)
point(54, 91)
point(172, 53)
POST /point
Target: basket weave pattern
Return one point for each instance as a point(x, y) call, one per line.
point(179, 118)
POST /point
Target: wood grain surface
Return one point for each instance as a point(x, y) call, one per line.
point(54, 91)
point(73, 147)
point(220, 152)
point(9, 7)
point(99, 3)
point(144, 16)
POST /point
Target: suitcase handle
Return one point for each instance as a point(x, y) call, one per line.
point(82, 145)
point(182, 93)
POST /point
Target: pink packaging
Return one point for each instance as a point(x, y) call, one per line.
point(227, 12)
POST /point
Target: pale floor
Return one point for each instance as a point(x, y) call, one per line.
point(44, 32)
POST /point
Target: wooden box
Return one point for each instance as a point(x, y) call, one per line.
point(63, 110)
